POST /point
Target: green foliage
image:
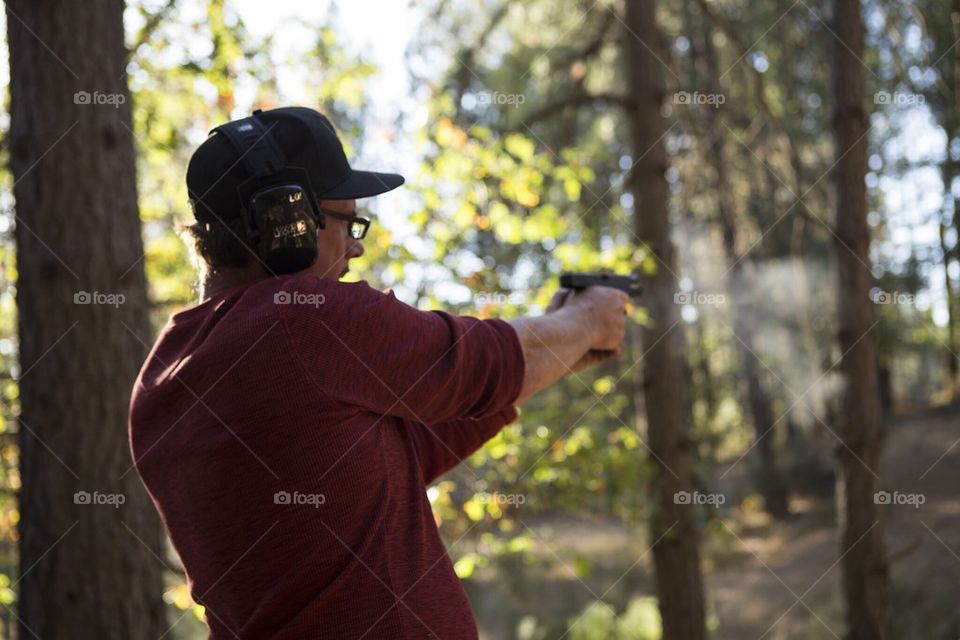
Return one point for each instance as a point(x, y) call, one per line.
point(641, 621)
point(530, 198)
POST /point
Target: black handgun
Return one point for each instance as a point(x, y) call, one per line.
point(628, 284)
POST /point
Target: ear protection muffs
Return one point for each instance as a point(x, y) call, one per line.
point(280, 214)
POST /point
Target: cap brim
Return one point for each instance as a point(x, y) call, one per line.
point(363, 184)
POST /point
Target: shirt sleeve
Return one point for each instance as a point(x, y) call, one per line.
point(365, 348)
point(441, 447)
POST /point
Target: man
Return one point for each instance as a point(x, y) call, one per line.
point(287, 426)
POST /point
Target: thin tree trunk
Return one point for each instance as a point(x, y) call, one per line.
point(707, 383)
point(673, 526)
point(87, 561)
point(949, 255)
point(950, 173)
point(864, 567)
point(767, 476)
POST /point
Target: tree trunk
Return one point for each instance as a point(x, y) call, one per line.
point(949, 255)
point(673, 526)
point(864, 567)
point(952, 118)
point(87, 560)
point(767, 475)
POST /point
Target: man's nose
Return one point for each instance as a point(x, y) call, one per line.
point(354, 249)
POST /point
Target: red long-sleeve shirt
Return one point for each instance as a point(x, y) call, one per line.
point(286, 431)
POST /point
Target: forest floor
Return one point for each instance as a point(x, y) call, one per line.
point(765, 579)
point(786, 583)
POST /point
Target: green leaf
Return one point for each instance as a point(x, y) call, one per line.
point(520, 146)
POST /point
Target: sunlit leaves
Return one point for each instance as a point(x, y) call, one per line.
point(510, 186)
point(7, 595)
point(474, 509)
point(179, 596)
point(465, 566)
point(519, 146)
point(448, 135)
point(169, 269)
point(347, 86)
point(601, 621)
point(603, 386)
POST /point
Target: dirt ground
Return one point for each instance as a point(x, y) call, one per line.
point(794, 573)
point(765, 580)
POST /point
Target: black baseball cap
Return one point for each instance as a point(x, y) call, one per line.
point(306, 138)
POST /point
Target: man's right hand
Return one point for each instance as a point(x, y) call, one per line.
point(602, 310)
point(579, 329)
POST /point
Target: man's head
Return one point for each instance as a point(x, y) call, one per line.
point(240, 166)
point(224, 246)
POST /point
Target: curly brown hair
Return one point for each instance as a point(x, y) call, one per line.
point(220, 244)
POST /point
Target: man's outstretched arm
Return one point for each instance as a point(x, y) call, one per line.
point(578, 329)
point(568, 338)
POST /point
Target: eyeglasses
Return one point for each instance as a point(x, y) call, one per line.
point(357, 229)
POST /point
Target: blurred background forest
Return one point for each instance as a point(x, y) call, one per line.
point(720, 479)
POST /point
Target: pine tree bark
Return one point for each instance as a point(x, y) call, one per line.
point(864, 567)
point(87, 561)
point(673, 528)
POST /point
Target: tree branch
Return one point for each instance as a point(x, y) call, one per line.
point(575, 100)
